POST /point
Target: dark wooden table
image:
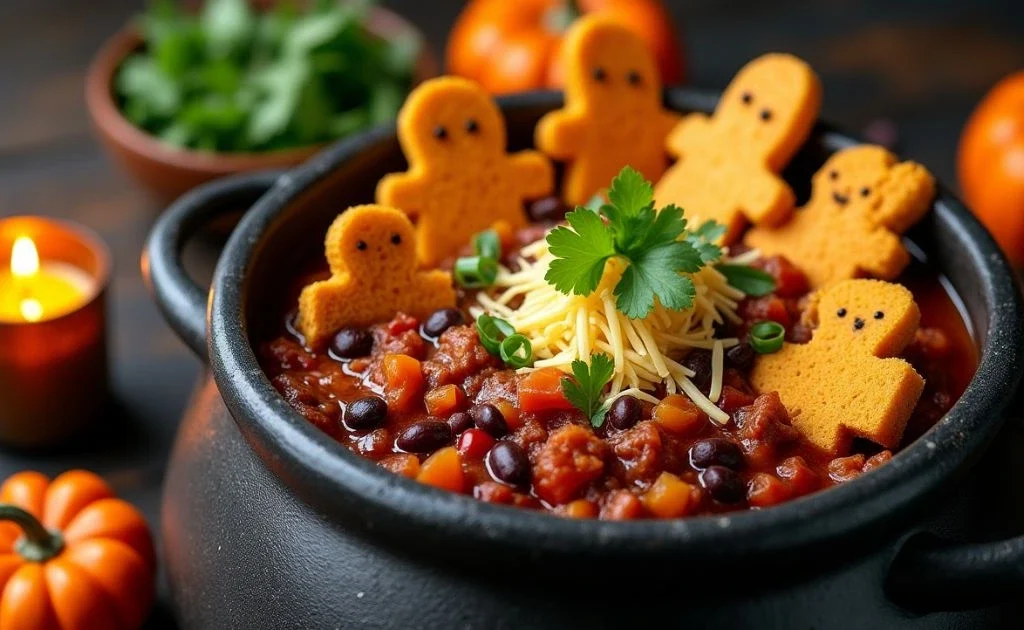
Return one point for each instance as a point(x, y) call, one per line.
point(919, 64)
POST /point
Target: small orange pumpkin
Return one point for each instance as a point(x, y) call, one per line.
point(72, 556)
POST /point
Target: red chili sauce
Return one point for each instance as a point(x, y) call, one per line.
point(555, 460)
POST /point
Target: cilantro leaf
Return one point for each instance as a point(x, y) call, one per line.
point(580, 252)
point(630, 192)
point(748, 279)
point(657, 272)
point(704, 240)
point(585, 388)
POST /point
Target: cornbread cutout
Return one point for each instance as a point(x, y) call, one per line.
point(862, 199)
point(460, 179)
point(729, 162)
point(370, 250)
point(613, 115)
point(841, 384)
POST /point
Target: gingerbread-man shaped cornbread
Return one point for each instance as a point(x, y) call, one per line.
point(370, 250)
point(729, 162)
point(842, 384)
point(613, 116)
point(862, 200)
point(460, 179)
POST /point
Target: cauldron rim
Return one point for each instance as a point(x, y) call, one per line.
point(341, 483)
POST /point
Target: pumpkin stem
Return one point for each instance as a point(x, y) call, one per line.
point(37, 543)
point(560, 17)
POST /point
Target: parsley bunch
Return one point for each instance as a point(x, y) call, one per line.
point(656, 245)
point(234, 79)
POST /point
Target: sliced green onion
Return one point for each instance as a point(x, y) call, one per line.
point(492, 331)
point(517, 351)
point(474, 272)
point(487, 244)
point(767, 337)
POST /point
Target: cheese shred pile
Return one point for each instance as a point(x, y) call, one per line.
point(647, 352)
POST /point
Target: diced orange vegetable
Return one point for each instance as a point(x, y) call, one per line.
point(668, 497)
point(444, 400)
point(403, 381)
point(580, 508)
point(506, 234)
point(443, 469)
point(678, 415)
point(404, 464)
point(509, 411)
point(541, 390)
point(766, 490)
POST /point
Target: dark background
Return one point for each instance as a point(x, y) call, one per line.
point(916, 67)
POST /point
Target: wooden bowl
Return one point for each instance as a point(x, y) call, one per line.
point(168, 171)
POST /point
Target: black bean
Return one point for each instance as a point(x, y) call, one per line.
point(351, 343)
point(741, 357)
point(724, 485)
point(366, 413)
point(488, 418)
point(425, 436)
point(460, 421)
point(700, 362)
point(625, 412)
point(715, 452)
point(548, 209)
point(507, 462)
point(441, 320)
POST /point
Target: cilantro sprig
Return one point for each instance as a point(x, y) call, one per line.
point(586, 387)
point(655, 244)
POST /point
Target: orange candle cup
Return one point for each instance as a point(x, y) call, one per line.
point(53, 354)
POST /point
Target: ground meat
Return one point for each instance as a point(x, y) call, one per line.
point(459, 354)
point(313, 402)
point(399, 336)
point(843, 469)
point(764, 426)
point(531, 434)
point(493, 385)
point(638, 452)
point(286, 354)
point(571, 458)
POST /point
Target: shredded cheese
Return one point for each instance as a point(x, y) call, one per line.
point(647, 352)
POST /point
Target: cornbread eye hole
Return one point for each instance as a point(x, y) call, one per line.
point(440, 132)
point(361, 245)
point(833, 174)
point(634, 78)
point(599, 74)
point(396, 239)
point(472, 127)
point(841, 312)
point(747, 98)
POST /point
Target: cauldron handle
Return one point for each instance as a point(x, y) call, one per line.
point(181, 300)
point(930, 574)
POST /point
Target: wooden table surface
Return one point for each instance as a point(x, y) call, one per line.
point(920, 64)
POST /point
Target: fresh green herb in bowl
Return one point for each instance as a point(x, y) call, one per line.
point(231, 79)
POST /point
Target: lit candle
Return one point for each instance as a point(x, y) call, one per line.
point(53, 351)
point(32, 292)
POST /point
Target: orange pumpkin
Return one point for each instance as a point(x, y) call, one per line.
point(72, 556)
point(513, 45)
point(990, 164)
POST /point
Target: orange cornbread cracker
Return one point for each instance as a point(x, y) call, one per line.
point(729, 163)
point(372, 257)
point(846, 382)
point(613, 115)
point(460, 180)
point(862, 199)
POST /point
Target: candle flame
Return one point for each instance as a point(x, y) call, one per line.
point(24, 260)
point(31, 309)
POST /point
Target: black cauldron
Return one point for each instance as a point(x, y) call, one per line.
point(268, 523)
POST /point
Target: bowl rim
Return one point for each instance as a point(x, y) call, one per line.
point(108, 118)
point(342, 483)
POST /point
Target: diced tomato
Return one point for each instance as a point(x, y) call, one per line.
point(402, 323)
point(801, 478)
point(770, 307)
point(766, 490)
point(733, 399)
point(790, 281)
point(403, 381)
point(541, 390)
point(474, 443)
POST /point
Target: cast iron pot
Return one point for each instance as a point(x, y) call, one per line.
point(268, 523)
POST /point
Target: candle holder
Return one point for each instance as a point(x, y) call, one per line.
point(53, 365)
